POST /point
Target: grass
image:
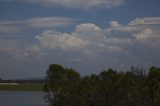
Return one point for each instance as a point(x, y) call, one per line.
point(23, 87)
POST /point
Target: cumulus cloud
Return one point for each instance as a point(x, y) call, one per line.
point(93, 39)
point(89, 45)
point(84, 35)
point(123, 43)
point(87, 27)
point(90, 32)
point(53, 39)
point(87, 36)
point(115, 24)
point(149, 37)
point(137, 38)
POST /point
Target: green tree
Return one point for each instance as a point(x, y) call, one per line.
point(154, 85)
point(69, 87)
point(110, 79)
point(55, 77)
point(60, 84)
point(65, 87)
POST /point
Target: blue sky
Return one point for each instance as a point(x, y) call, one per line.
point(87, 35)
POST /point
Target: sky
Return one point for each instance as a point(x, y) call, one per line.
point(86, 35)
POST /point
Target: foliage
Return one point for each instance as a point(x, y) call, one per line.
point(65, 87)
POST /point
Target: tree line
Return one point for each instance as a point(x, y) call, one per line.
point(136, 87)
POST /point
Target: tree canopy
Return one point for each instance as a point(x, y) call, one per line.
point(136, 87)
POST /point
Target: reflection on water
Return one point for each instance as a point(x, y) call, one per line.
point(22, 98)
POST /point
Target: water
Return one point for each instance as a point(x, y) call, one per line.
point(22, 98)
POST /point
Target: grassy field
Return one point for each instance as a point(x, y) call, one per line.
point(23, 87)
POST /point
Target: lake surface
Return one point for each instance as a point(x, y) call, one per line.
point(22, 98)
